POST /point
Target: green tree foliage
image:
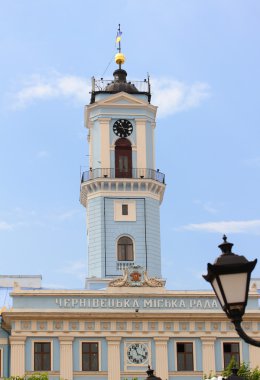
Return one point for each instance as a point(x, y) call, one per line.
point(244, 370)
point(34, 376)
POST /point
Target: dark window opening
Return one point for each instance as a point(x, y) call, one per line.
point(90, 356)
point(42, 356)
point(123, 158)
point(124, 209)
point(125, 251)
point(184, 356)
point(231, 350)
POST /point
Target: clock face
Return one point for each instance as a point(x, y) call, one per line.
point(137, 353)
point(122, 128)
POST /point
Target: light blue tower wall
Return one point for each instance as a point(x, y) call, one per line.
point(104, 232)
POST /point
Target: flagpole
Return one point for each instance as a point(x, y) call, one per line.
point(119, 44)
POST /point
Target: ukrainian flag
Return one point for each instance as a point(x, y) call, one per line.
point(118, 36)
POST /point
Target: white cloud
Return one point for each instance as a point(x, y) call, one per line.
point(52, 86)
point(43, 154)
point(172, 96)
point(4, 226)
point(247, 226)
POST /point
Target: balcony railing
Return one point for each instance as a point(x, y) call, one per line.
point(121, 265)
point(100, 85)
point(112, 173)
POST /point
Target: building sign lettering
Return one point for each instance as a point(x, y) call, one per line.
point(136, 303)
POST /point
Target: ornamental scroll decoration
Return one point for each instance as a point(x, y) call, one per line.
point(136, 276)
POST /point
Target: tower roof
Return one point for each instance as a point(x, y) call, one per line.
point(120, 83)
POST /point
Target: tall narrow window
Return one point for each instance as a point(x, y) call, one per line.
point(125, 250)
point(90, 356)
point(124, 209)
point(42, 356)
point(184, 356)
point(123, 158)
point(231, 350)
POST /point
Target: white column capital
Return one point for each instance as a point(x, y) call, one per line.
point(140, 121)
point(208, 339)
point(66, 339)
point(104, 120)
point(17, 339)
point(113, 339)
point(161, 339)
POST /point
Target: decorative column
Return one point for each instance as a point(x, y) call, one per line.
point(113, 358)
point(66, 358)
point(105, 143)
point(254, 356)
point(141, 143)
point(161, 357)
point(17, 356)
point(208, 355)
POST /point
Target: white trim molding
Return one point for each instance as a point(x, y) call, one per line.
point(98, 341)
point(41, 340)
point(193, 352)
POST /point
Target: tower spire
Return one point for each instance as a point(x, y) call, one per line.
point(119, 57)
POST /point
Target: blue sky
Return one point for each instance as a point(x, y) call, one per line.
point(203, 58)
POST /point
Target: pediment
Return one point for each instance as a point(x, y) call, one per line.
point(122, 98)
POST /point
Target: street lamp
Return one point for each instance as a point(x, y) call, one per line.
point(229, 277)
point(150, 374)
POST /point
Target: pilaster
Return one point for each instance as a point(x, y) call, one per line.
point(105, 143)
point(90, 142)
point(141, 143)
point(17, 356)
point(66, 358)
point(161, 357)
point(254, 356)
point(113, 358)
point(208, 355)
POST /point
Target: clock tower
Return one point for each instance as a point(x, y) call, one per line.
point(122, 190)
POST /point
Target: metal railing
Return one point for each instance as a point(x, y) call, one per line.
point(120, 265)
point(101, 85)
point(135, 173)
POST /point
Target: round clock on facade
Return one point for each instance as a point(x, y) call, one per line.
point(123, 128)
point(137, 353)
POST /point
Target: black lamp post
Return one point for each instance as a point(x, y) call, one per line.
point(229, 277)
point(150, 375)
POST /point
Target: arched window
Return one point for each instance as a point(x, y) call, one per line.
point(123, 158)
point(125, 249)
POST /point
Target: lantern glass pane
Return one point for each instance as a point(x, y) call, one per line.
point(234, 287)
point(218, 292)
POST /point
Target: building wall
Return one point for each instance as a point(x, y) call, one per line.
point(115, 319)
